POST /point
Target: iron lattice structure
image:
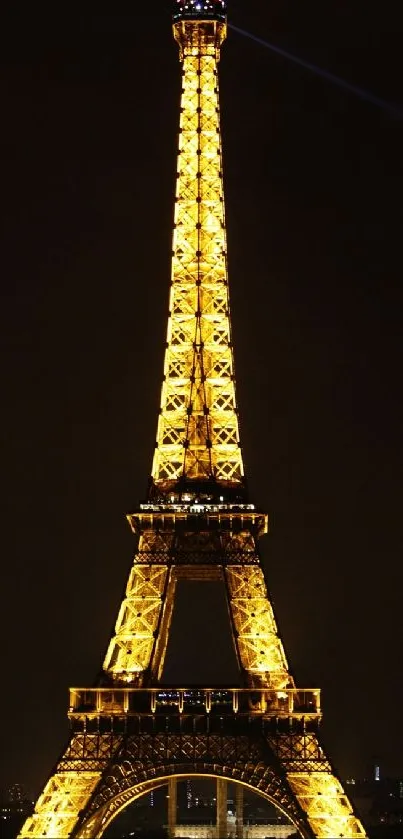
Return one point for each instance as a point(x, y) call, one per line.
point(128, 735)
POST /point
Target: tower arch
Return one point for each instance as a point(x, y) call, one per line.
point(256, 779)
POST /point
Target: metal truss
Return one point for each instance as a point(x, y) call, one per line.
point(315, 785)
point(198, 436)
point(113, 759)
point(130, 650)
point(139, 643)
point(322, 798)
point(129, 735)
point(260, 650)
point(56, 811)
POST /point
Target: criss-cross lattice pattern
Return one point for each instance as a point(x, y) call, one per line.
point(57, 809)
point(130, 650)
point(100, 772)
point(260, 649)
point(115, 754)
point(198, 434)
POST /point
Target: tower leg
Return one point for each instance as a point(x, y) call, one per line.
point(172, 802)
point(239, 811)
point(221, 809)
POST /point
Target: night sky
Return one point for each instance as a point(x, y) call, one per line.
point(313, 178)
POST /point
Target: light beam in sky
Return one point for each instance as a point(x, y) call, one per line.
point(391, 108)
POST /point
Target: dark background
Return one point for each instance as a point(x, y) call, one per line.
point(313, 176)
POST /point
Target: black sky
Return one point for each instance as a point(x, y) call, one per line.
point(313, 181)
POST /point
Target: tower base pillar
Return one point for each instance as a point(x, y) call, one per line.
point(222, 809)
point(172, 807)
point(239, 792)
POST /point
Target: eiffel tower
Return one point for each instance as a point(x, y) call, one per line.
point(129, 734)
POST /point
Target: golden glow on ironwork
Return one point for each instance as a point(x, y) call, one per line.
point(198, 434)
point(97, 825)
point(93, 703)
point(260, 649)
point(69, 789)
point(142, 629)
point(57, 809)
point(66, 794)
point(329, 818)
point(329, 812)
point(190, 538)
point(130, 650)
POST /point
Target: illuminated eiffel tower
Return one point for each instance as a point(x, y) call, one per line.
point(129, 734)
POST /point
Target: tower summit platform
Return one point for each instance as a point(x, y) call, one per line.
point(199, 10)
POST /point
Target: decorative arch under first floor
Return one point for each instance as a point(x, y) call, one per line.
point(100, 774)
point(262, 783)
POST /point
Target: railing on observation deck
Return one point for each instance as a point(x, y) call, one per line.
point(93, 702)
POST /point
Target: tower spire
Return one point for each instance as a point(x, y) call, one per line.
point(198, 436)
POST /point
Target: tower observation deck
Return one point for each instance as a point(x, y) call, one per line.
point(199, 10)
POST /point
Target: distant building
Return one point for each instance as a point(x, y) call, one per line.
point(15, 806)
point(379, 801)
point(267, 831)
point(189, 794)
